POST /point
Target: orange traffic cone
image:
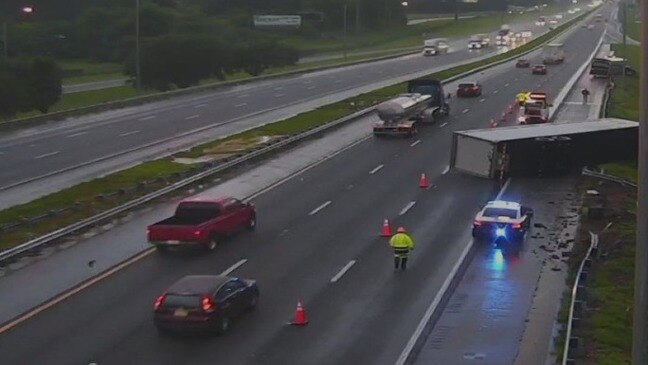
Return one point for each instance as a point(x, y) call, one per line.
point(510, 109)
point(503, 118)
point(493, 123)
point(300, 315)
point(385, 231)
point(423, 182)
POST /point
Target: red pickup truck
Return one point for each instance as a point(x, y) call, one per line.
point(202, 222)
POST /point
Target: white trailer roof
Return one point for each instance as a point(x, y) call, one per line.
point(518, 132)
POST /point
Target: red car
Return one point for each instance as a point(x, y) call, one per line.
point(522, 63)
point(203, 223)
point(539, 70)
point(469, 89)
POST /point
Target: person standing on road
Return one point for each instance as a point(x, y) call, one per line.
point(402, 244)
point(585, 93)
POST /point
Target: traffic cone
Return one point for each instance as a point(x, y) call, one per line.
point(385, 231)
point(510, 109)
point(300, 315)
point(423, 182)
point(493, 123)
point(503, 118)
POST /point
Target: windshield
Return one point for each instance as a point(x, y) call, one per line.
point(462, 86)
point(500, 212)
point(184, 301)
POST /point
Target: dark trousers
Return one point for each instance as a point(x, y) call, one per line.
point(400, 262)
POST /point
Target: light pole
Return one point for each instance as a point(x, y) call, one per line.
point(344, 17)
point(138, 82)
point(5, 32)
point(640, 310)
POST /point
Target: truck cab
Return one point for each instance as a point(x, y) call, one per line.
point(535, 109)
point(434, 88)
point(477, 41)
point(433, 47)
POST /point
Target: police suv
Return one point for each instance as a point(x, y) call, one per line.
point(502, 220)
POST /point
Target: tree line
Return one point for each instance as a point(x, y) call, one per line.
point(29, 85)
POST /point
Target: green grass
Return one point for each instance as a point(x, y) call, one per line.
point(81, 71)
point(624, 101)
point(92, 78)
point(85, 193)
point(624, 170)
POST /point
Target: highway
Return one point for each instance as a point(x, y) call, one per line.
point(123, 137)
point(311, 227)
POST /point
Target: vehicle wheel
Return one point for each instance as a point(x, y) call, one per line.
point(223, 325)
point(252, 223)
point(213, 242)
point(254, 302)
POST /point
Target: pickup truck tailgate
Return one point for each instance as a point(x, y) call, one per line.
point(174, 233)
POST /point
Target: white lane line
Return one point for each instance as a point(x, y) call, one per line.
point(278, 88)
point(507, 84)
point(240, 105)
point(343, 271)
point(407, 207)
point(200, 106)
point(337, 81)
point(415, 143)
point(446, 170)
point(311, 87)
point(443, 125)
point(47, 155)
point(243, 96)
point(316, 210)
point(437, 299)
point(279, 95)
point(76, 134)
point(193, 116)
point(465, 111)
point(495, 91)
point(482, 100)
point(128, 133)
point(376, 169)
point(233, 267)
point(146, 118)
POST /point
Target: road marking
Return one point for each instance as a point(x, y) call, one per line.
point(243, 96)
point(311, 87)
point(233, 267)
point(76, 134)
point(193, 116)
point(437, 299)
point(343, 271)
point(278, 88)
point(415, 143)
point(240, 105)
point(74, 291)
point(146, 118)
point(507, 84)
point(446, 170)
point(495, 91)
point(337, 81)
point(279, 95)
point(200, 106)
point(47, 155)
point(443, 125)
point(128, 133)
point(407, 207)
point(376, 169)
point(316, 210)
point(482, 100)
point(465, 111)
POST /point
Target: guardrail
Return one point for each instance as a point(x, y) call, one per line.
point(612, 178)
point(578, 300)
point(88, 222)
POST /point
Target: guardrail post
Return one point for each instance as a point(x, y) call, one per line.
point(581, 293)
point(583, 275)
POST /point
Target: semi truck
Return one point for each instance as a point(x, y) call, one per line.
point(553, 53)
point(436, 46)
point(535, 109)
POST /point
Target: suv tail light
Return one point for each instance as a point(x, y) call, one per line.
point(477, 223)
point(517, 225)
point(207, 305)
point(158, 302)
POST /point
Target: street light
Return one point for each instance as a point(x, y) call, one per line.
point(5, 37)
point(138, 82)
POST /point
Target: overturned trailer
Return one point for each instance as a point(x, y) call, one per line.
point(542, 149)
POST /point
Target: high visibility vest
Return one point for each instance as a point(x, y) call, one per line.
point(401, 241)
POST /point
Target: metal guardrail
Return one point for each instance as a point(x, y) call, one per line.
point(606, 99)
point(612, 178)
point(59, 233)
point(576, 305)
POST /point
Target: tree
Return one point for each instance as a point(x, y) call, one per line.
point(9, 98)
point(44, 84)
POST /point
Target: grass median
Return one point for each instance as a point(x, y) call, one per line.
point(81, 201)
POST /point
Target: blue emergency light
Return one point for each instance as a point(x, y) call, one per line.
point(500, 232)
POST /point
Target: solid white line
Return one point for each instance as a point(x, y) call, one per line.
point(128, 133)
point(311, 87)
point(146, 118)
point(193, 116)
point(343, 271)
point(76, 134)
point(407, 207)
point(278, 88)
point(47, 155)
point(446, 170)
point(240, 105)
point(495, 91)
point(200, 106)
point(316, 210)
point(415, 143)
point(482, 100)
point(233, 267)
point(437, 299)
point(279, 95)
point(376, 169)
point(465, 111)
point(243, 96)
point(443, 125)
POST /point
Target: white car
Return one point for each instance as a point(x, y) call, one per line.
point(527, 34)
point(559, 16)
point(475, 45)
point(553, 22)
point(502, 219)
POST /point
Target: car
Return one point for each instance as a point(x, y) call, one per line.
point(590, 27)
point(204, 303)
point(522, 63)
point(467, 89)
point(539, 70)
point(202, 222)
point(500, 219)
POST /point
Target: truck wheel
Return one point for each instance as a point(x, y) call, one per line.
point(413, 131)
point(214, 239)
point(252, 223)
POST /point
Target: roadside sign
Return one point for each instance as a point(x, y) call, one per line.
point(277, 20)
